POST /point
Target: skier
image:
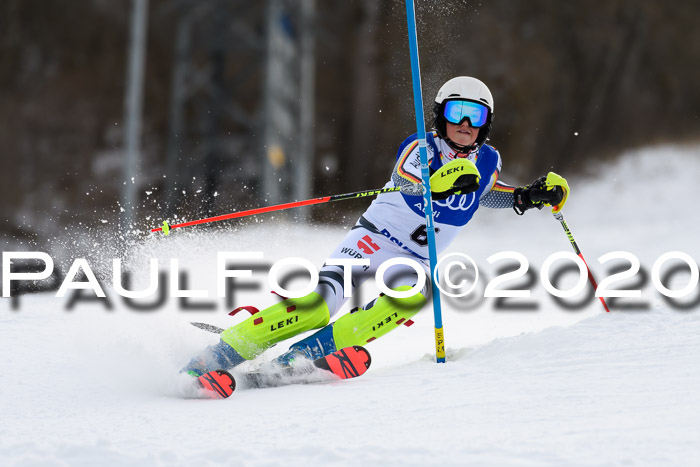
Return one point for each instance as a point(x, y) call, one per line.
point(464, 175)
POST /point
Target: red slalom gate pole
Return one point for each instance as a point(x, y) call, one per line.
point(166, 228)
point(558, 216)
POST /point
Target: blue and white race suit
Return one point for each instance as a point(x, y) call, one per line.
point(394, 224)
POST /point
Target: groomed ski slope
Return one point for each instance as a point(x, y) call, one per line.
point(548, 386)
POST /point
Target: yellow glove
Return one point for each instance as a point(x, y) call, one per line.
point(457, 177)
point(551, 190)
point(552, 182)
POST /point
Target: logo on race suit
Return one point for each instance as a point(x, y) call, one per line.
point(352, 253)
point(398, 242)
point(457, 202)
point(367, 245)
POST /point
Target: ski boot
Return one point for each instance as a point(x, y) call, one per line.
point(359, 327)
point(262, 330)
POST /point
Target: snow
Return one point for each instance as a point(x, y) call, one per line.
point(549, 386)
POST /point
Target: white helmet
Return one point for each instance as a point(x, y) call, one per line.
point(464, 88)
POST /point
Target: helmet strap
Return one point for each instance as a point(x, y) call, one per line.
point(460, 148)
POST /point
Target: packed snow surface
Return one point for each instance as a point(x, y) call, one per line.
point(536, 383)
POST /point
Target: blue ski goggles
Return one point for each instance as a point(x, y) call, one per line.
point(456, 111)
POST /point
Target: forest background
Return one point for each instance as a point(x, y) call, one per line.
point(575, 82)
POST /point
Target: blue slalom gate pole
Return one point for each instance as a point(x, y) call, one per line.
point(425, 174)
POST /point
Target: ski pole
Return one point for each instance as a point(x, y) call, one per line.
point(558, 216)
point(166, 228)
point(425, 175)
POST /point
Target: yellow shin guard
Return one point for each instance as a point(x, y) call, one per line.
point(277, 323)
point(378, 318)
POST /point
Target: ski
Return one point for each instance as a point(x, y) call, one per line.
point(349, 362)
point(219, 384)
point(346, 363)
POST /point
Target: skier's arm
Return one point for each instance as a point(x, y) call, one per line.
point(549, 190)
point(459, 176)
point(497, 195)
point(406, 173)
